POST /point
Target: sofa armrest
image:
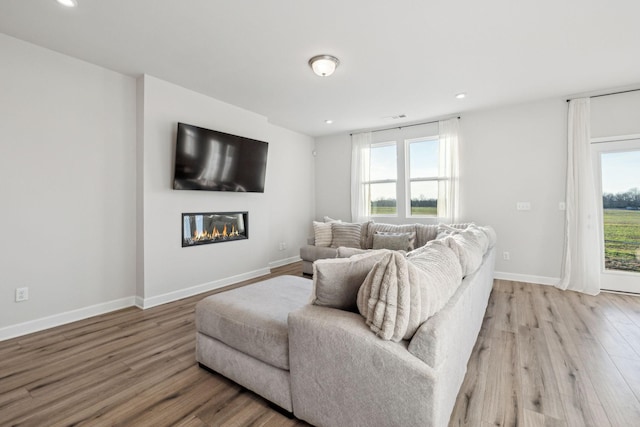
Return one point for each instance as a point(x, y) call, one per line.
point(343, 374)
point(312, 253)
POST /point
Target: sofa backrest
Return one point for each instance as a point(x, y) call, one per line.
point(424, 232)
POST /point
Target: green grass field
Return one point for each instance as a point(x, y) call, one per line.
point(622, 239)
point(392, 210)
point(428, 211)
point(383, 210)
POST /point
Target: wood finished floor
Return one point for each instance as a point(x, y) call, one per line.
point(543, 358)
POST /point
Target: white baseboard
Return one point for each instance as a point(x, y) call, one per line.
point(139, 301)
point(145, 303)
point(285, 261)
point(538, 280)
point(36, 325)
point(64, 318)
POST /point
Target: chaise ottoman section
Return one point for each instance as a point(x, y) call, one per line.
point(243, 334)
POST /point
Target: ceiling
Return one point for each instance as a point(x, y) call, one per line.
point(397, 57)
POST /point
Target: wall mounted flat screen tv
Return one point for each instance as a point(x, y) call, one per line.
point(216, 161)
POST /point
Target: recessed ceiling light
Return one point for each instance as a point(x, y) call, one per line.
point(328, 121)
point(68, 3)
point(461, 96)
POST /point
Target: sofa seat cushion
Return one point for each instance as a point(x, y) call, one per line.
point(253, 318)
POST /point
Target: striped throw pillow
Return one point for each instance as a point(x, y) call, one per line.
point(345, 234)
point(322, 233)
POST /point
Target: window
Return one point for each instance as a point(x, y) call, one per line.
point(423, 184)
point(409, 172)
point(383, 176)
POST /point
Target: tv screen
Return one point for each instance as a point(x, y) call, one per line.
point(216, 161)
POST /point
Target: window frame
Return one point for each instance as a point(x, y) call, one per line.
point(409, 180)
point(383, 181)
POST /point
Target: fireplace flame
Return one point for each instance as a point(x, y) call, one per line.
point(215, 234)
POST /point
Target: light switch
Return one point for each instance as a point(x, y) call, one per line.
point(523, 206)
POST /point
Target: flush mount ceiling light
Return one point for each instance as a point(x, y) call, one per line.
point(324, 65)
point(68, 3)
point(461, 96)
point(328, 121)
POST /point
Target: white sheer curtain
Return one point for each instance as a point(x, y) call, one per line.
point(581, 269)
point(448, 200)
point(360, 157)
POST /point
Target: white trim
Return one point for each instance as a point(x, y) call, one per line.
point(526, 278)
point(59, 319)
point(139, 301)
point(285, 261)
point(631, 294)
point(64, 318)
point(198, 289)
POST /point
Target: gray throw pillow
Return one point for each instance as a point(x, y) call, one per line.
point(336, 280)
point(394, 241)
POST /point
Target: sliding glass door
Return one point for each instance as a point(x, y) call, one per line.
point(618, 167)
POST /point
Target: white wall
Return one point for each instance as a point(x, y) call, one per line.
point(507, 155)
point(281, 214)
point(615, 115)
point(333, 177)
point(67, 173)
point(88, 219)
point(510, 155)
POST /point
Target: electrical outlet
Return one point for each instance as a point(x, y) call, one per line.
point(282, 246)
point(22, 294)
point(506, 256)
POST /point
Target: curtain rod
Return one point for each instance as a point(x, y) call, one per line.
point(608, 94)
point(406, 126)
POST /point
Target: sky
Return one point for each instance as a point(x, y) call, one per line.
point(424, 159)
point(620, 171)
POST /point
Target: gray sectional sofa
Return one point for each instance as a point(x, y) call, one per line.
point(312, 252)
point(308, 350)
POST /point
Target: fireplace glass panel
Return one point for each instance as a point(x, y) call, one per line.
point(214, 227)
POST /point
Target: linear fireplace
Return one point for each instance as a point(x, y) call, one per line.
point(214, 227)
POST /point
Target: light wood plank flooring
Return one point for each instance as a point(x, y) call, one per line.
point(543, 358)
point(546, 357)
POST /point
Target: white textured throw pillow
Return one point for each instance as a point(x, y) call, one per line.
point(323, 234)
point(329, 219)
point(466, 246)
point(400, 293)
point(491, 234)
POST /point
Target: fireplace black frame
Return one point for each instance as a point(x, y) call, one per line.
point(244, 236)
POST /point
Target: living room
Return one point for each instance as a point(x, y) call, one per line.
point(90, 219)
